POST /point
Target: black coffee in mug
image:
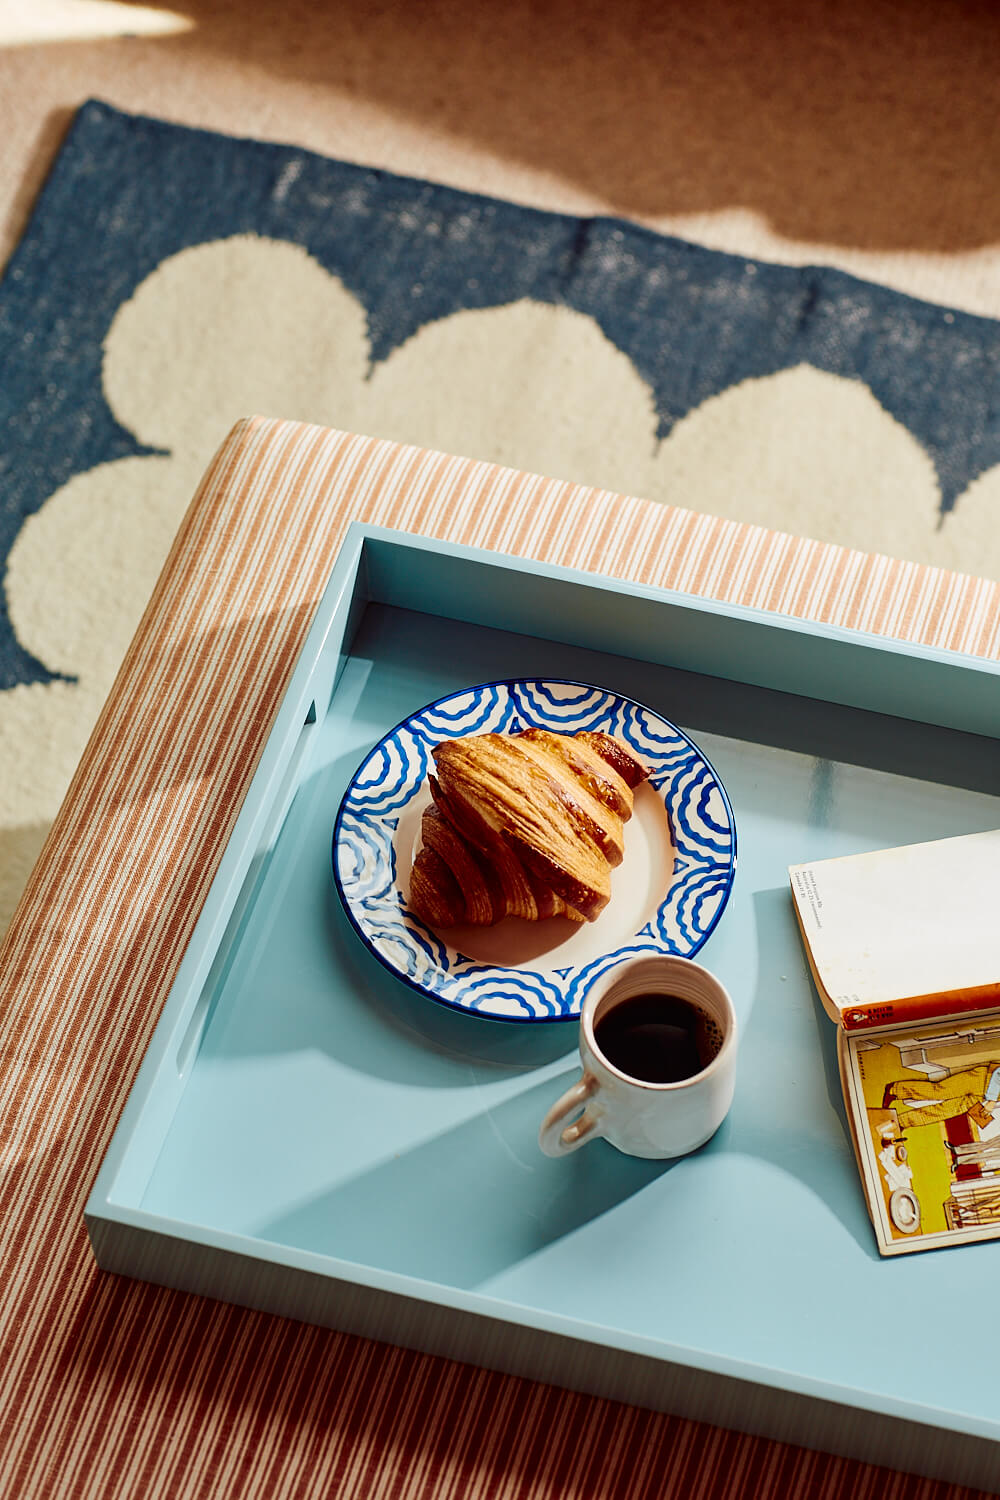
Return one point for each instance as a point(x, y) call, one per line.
point(657, 1038)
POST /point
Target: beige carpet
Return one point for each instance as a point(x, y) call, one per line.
point(864, 134)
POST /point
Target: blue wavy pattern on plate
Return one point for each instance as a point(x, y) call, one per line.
point(364, 861)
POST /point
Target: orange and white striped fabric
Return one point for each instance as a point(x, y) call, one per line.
point(112, 1388)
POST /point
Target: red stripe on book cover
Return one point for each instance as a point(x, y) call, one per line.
point(918, 1008)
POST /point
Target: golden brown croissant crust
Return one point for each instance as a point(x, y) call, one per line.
point(527, 825)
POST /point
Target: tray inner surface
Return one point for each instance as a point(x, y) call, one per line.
point(329, 1109)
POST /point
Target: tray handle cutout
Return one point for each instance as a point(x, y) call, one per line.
point(187, 1050)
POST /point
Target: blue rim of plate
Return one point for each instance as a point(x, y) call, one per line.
point(698, 809)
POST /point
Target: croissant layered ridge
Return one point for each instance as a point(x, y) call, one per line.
point(527, 825)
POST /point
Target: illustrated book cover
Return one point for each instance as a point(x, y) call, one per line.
point(904, 947)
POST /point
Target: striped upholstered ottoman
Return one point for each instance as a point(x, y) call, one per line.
point(116, 1386)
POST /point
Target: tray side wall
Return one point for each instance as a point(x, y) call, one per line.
point(700, 635)
point(166, 1066)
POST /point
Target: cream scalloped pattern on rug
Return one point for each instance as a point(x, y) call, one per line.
point(248, 325)
point(806, 452)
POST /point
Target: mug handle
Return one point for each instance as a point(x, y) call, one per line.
point(553, 1137)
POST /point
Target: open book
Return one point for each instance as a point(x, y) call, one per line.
point(904, 947)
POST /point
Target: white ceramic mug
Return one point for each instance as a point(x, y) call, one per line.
point(641, 1118)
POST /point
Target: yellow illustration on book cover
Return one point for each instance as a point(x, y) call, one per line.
point(925, 1106)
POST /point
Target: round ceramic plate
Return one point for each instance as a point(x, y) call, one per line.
point(666, 896)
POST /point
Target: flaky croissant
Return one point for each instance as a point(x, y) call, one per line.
point(527, 825)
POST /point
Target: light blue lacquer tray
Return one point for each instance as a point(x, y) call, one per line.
point(309, 1136)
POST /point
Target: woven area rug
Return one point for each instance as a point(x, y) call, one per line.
point(172, 281)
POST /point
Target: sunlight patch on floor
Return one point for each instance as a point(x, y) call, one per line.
point(26, 21)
